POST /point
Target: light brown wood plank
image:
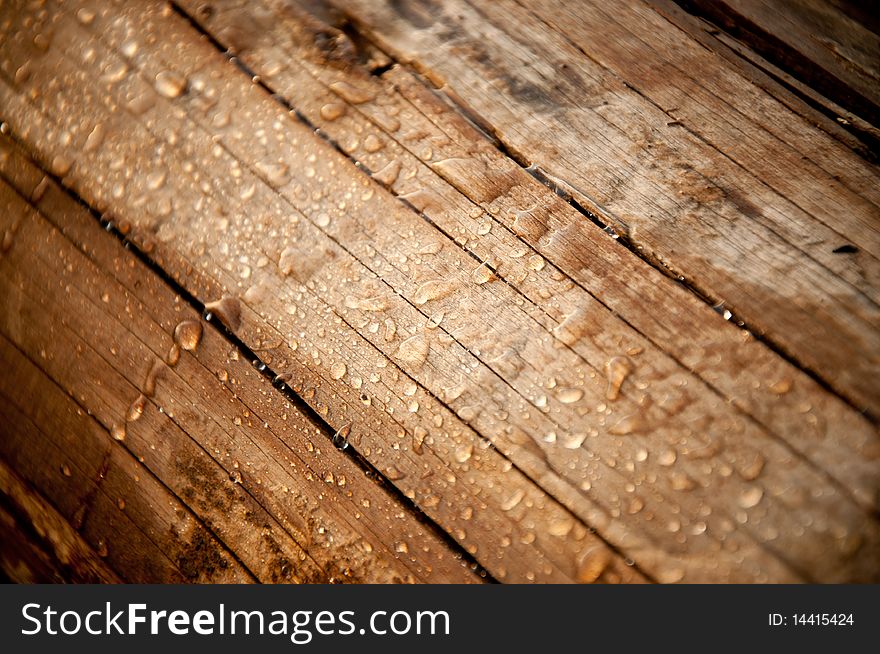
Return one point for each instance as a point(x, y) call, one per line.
point(676, 193)
point(261, 44)
point(455, 178)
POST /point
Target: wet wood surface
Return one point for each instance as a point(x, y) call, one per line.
point(427, 292)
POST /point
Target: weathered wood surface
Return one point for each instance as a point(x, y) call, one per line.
point(557, 405)
point(707, 175)
point(241, 464)
point(831, 45)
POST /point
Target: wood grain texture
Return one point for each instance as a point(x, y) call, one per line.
point(830, 45)
point(562, 409)
point(213, 430)
point(689, 187)
point(472, 490)
point(39, 545)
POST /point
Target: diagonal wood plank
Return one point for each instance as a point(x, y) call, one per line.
point(270, 496)
point(455, 179)
point(492, 514)
point(686, 198)
point(258, 169)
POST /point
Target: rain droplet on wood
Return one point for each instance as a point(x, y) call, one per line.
point(332, 110)
point(388, 174)
point(436, 289)
point(617, 370)
point(136, 410)
point(228, 310)
point(170, 84)
point(414, 350)
point(351, 93)
point(187, 334)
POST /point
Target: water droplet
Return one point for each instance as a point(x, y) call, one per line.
point(187, 334)
point(752, 468)
point(152, 376)
point(573, 328)
point(118, 432)
point(464, 452)
point(61, 164)
point(65, 470)
point(670, 575)
point(338, 370)
point(129, 48)
point(351, 93)
point(627, 425)
point(514, 499)
point(436, 289)
point(681, 482)
point(636, 504)
point(390, 329)
point(136, 410)
point(170, 84)
point(276, 172)
point(228, 310)
point(573, 441)
point(94, 139)
point(592, 564)
point(560, 528)
point(332, 110)
point(780, 387)
point(173, 355)
point(401, 547)
point(8, 239)
point(141, 103)
point(377, 303)
point(414, 350)
point(372, 143)
point(617, 370)
point(340, 438)
point(536, 262)
point(569, 395)
point(750, 497)
point(418, 439)
point(388, 174)
point(85, 15)
point(482, 274)
point(667, 457)
point(394, 474)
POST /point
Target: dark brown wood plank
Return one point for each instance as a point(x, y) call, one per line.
point(828, 45)
point(38, 544)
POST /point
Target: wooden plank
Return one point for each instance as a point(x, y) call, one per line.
point(681, 192)
point(456, 179)
point(264, 44)
point(482, 500)
point(39, 545)
point(560, 468)
point(816, 40)
point(842, 124)
point(260, 470)
point(73, 462)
